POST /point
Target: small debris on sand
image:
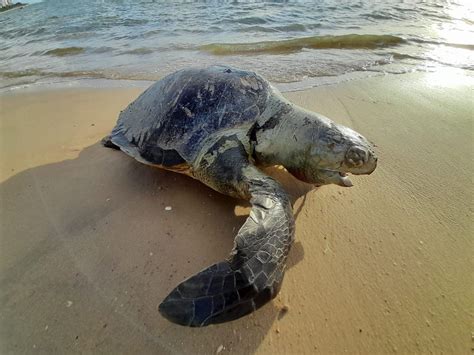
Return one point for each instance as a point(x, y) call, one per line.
point(168, 208)
point(220, 348)
point(283, 311)
point(68, 304)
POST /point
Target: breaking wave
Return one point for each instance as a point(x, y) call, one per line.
point(351, 41)
point(63, 52)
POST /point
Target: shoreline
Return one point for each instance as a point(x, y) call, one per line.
point(88, 250)
point(284, 87)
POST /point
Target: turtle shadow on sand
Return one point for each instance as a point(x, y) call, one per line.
point(91, 250)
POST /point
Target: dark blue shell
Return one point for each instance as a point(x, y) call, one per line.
point(169, 122)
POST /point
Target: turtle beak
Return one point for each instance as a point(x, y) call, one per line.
point(333, 177)
point(343, 180)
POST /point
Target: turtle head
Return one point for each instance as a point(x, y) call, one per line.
point(333, 151)
point(312, 147)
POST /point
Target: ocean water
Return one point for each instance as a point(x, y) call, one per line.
point(293, 44)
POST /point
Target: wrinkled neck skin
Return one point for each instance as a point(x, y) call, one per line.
point(310, 146)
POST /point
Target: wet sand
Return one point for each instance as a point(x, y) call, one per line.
point(88, 250)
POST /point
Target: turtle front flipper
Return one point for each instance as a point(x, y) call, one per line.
point(253, 274)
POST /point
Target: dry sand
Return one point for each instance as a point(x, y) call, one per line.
point(88, 250)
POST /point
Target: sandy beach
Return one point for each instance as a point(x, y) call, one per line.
point(88, 250)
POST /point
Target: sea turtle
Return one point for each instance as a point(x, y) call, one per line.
point(216, 124)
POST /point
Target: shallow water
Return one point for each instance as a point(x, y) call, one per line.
point(288, 42)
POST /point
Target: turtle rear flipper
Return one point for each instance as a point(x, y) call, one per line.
point(253, 274)
point(107, 142)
